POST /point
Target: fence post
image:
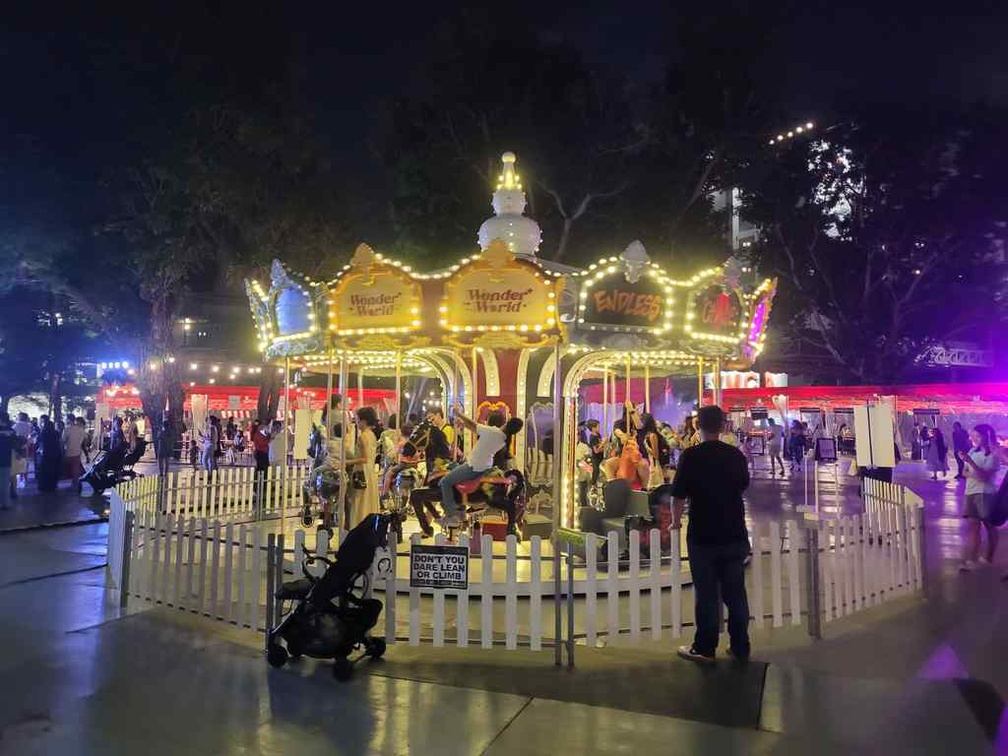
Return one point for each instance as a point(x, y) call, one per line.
point(921, 517)
point(570, 604)
point(278, 574)
point(270, 580)
point(812, 582)
point(557, 619)
point(127, 553)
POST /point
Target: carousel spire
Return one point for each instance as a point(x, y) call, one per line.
point(508, 179)
point(522, 234)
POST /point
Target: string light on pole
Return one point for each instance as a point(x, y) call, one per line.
point(797, 131)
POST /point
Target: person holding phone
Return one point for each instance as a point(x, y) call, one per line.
point(981, 464)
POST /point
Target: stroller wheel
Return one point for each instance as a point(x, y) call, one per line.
point(376, 648)
point(276, 655)
point(342, 669)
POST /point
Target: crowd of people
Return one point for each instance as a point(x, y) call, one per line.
point(374, 453)
point(49, 451)
point(654, 448)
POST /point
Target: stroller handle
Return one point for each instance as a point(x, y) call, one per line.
point(310, 559)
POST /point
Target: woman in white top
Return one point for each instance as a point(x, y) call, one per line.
point(774, 447)
point(364, 501)
point(981, 468)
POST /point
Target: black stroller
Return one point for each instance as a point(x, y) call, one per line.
point(113, 467)
point(330, 616)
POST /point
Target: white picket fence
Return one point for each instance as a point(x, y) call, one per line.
point(801, 571)
point(227, 493)
point(876, 556)
point(119, 546)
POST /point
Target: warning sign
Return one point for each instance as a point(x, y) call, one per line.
point(439, 567)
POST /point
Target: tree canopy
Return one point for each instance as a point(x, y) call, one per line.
point(202, 154)
point(889, 237)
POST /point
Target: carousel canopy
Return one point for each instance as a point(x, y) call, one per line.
point(492, 299)
point(505, 297)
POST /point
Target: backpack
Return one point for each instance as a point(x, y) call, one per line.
point(664, 451)
point(998, 513)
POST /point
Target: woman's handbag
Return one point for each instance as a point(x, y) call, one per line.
point(357, 480)
point(656, 474)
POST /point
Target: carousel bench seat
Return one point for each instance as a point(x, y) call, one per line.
point(637, 506)
point(537, 525)
point(494, 525)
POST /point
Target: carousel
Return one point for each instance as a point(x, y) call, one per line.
point(504, 332)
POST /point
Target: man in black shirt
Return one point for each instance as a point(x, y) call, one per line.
point(712, 476)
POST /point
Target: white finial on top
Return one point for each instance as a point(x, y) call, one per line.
point(509, 179)
point(522, 235)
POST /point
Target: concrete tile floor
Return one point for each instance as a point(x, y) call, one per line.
point(32, 508)
point(81, 678)
point(884, 716)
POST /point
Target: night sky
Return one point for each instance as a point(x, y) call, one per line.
point(78, 84)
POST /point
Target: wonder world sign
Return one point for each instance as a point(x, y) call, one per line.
point(499, 293)
point(374, 296)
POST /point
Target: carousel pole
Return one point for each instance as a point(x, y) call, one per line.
point(398, 389)
point(647, 388)
point(605, 401)
point(360, 385)
point(287, 432)
point(344, 430)
point(475, 390)
point(699, 382)
point(612, 389)
point(717, 381)
point(626, 404)
point(328, 397)
point(558, 473)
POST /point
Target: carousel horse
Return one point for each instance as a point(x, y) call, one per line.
point(398, 483)
point(322, 482)
point(497, 488)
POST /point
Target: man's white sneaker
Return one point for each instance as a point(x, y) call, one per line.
point(968, 566)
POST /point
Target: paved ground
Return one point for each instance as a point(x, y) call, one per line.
point(33, 509)
point(82, 678)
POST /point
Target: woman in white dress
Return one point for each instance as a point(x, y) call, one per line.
point(364, 501)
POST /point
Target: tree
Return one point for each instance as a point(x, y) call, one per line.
point(888, 235)
point(483, 91)
point(605, 157)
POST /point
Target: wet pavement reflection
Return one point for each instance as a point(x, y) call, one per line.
point(83, 677)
